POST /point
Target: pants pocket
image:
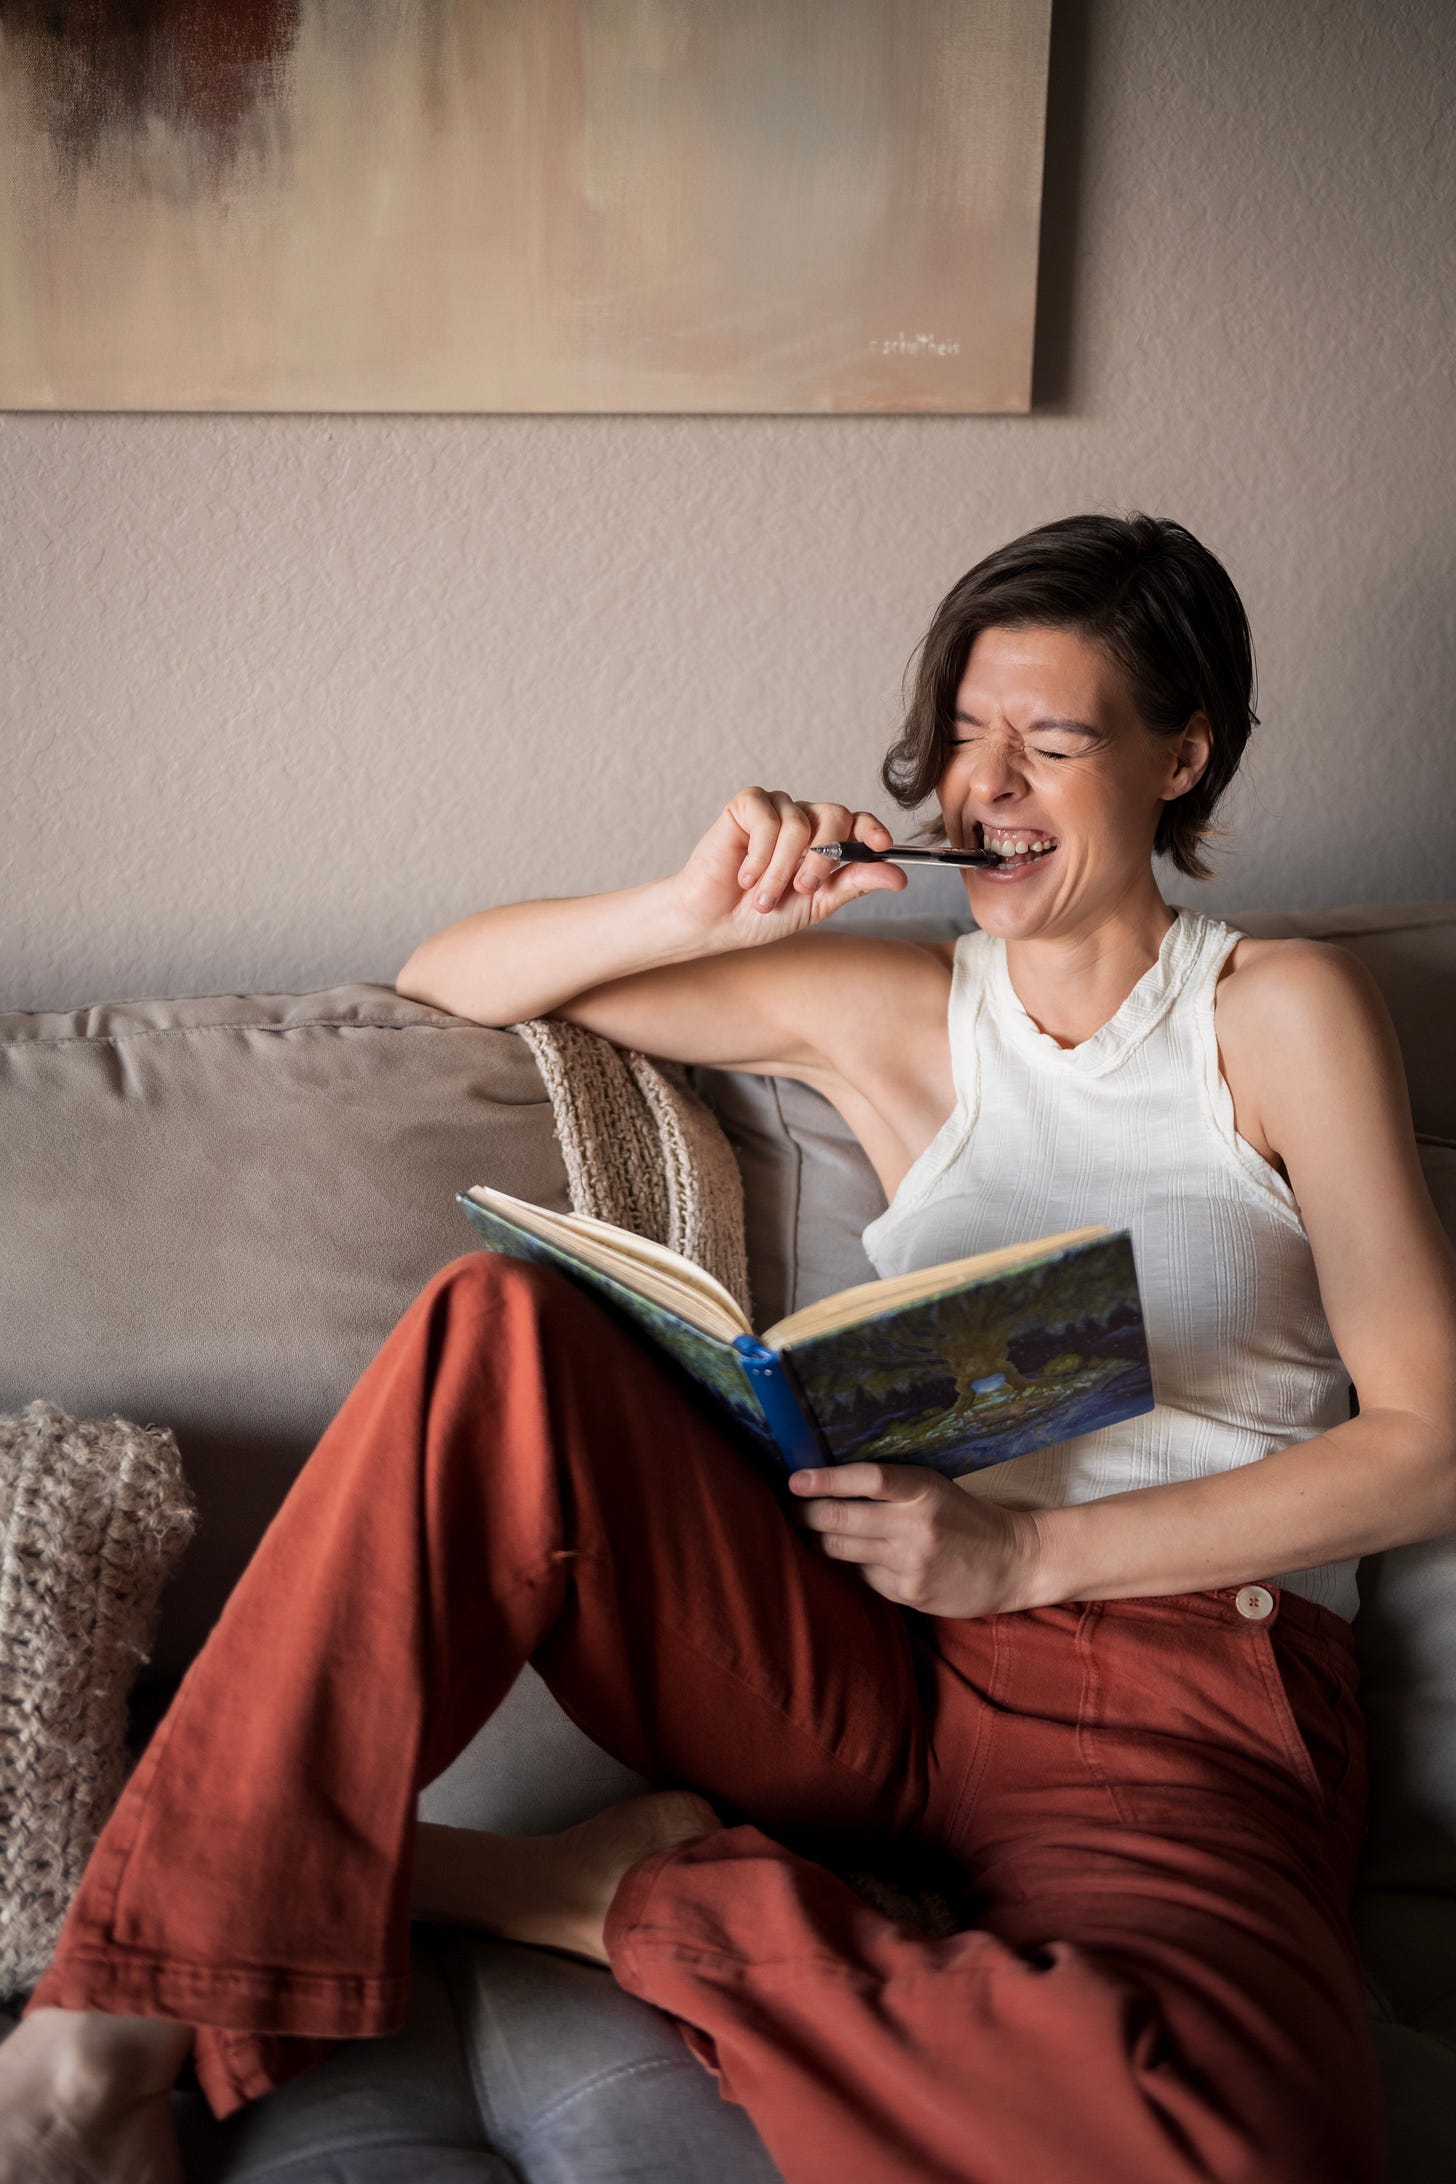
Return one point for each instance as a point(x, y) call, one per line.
point(1188, 1726)
point(1312, 1706)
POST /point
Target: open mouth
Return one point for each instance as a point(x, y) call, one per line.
point(1017, 849)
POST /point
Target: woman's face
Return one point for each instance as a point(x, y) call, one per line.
point(1050, 747)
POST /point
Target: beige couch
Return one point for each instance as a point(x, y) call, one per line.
point(213, 1211)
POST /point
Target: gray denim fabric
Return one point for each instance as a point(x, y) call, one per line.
point(394, 2111)
point(580, 2083)
point(514, 2067)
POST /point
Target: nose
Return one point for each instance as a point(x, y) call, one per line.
point(993, 769)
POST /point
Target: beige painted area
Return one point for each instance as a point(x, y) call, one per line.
point(599, 205)
point(279, 696)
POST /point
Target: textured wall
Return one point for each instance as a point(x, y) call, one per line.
point(283, 695)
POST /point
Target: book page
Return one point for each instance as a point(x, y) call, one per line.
point(867, 1300)
point(653, 1268)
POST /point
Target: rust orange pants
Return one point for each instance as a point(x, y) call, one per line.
point(1157, 1803)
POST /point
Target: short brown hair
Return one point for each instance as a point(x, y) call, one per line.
point(1159, 604)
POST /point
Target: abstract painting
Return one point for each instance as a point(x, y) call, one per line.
point(520, 205)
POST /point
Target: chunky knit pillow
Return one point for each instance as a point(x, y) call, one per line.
point(94, 1514)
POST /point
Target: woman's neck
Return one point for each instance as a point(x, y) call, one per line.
point(1070, 985)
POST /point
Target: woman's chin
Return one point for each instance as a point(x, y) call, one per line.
point(1018, 897)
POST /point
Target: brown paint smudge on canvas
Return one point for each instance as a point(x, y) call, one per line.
point(102, 68)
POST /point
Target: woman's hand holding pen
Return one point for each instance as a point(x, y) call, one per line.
point(751, 878)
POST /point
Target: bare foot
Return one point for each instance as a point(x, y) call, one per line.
point(553, 1890)
point(84, 2099)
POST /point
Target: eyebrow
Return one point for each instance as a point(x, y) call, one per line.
point(1038, 727)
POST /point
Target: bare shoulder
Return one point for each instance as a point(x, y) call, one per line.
point(1290, 1010)
point(1274, 983)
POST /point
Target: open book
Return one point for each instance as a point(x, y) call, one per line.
point(953, 1366)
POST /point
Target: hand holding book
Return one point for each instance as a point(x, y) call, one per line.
point(918, 1540)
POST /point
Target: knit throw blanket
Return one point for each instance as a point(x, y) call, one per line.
point(641, 1149)
point(94, 1515)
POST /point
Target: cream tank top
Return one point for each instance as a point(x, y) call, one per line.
point(1134, 1128)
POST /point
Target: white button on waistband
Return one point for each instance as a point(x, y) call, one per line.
point(1255, 1601)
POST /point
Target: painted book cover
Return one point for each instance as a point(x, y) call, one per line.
point(988, 1369)
point(1034, 1354)
point(715, 1365)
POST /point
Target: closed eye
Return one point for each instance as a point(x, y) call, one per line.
point(958, 743)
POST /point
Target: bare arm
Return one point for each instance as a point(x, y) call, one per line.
point(525, 959)
point(697, 967)
point(1337, 1110)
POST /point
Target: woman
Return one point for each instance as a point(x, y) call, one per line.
point(1113, 1682)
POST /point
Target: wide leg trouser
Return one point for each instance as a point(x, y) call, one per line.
point(1157, 1804)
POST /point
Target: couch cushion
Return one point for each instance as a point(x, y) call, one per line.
point(213, 1211)
point(529, 1771)
point(1408, 1948)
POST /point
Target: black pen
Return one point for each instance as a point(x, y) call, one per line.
point(860, 853)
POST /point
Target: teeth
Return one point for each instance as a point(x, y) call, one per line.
point(1007, 844)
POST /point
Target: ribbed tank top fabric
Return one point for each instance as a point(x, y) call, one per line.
point(1134, 1128)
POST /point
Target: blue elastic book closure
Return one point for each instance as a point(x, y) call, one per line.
point(798, 1440)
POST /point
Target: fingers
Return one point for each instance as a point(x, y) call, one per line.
point(781, 831)
point(796, 832)
point(849, 1531)
point(834, 884)
point(837, 883)
point(850, 1547)
point(859, 1510)
point(837, 823)
point(758, 814)
point(844, 1520)
point(878, 1561)
point(889, 1482)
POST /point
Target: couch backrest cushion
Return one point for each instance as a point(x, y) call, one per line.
point(213, 1211)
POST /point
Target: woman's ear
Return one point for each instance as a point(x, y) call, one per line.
point(1189, 757)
